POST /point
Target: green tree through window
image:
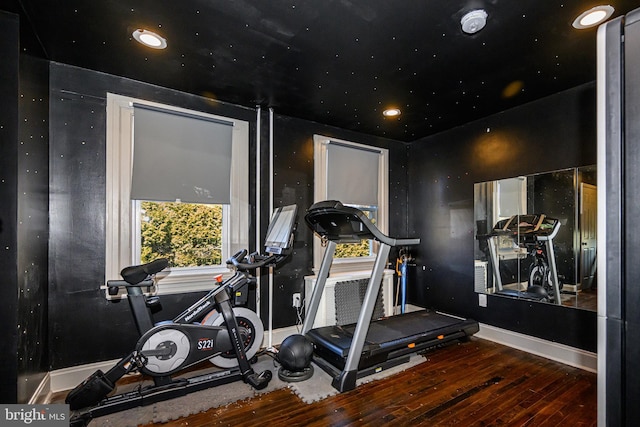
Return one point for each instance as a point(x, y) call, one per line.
point(189, 235)
point(362, 249)
point(352, 250)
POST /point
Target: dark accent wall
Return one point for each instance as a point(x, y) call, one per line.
point(619, 317)
point(293, 183)
point(83, 326)
point(630, 382)
point(33, 223)
point(9, 48)
point(554, 194)
point(556, 132)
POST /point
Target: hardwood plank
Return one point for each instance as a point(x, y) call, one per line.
point(504, 400)
point(476, 383)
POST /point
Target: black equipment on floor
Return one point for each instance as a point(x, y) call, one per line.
point(534, 232)
point(294, 356)
point(210, 329)
point(354, 351)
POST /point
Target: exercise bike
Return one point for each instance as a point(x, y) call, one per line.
point(535, 232)
point(210, 329)
point(540, 273)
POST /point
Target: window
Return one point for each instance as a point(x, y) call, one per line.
point(510, 198)
point(366, 247)
point(188, 234)
point(149, 216)
point(356, 175)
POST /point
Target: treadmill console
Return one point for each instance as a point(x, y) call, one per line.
point(332, 220)
point(527, 228)
point(335, 222)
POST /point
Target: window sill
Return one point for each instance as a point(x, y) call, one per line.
point(350, 265)
point(180, 282)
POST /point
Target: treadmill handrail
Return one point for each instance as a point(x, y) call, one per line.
point(509, 227)
point(325, 209)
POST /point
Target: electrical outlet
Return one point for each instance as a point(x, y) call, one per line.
point(482, 300)
point(296, 300)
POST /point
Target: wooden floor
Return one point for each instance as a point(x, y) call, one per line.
point(477, 383)
point(586, 299)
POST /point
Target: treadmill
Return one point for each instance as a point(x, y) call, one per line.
point(354, 351)
point(525, 230)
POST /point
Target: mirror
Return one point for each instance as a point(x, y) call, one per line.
point(536, 237)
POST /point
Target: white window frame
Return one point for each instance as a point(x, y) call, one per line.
point(506, 249)
point(519, 199)
point(346, 265)
point(121, 221)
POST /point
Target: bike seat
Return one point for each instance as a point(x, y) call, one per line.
point(137, 273)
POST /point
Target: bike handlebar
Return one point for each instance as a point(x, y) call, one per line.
point(237, 257)
point(254, 261)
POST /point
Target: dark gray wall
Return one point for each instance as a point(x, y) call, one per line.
point(293, 183)
point(553, 133)
point(33, 223)
point(24, 190)
point(9, 48)
point(554, 194)
point(619, 316)
point(630, 382)
point(77, 208)
point(83, 326)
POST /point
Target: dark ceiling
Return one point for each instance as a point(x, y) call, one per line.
point(338, 62)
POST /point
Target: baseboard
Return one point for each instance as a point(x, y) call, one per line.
point(41, 394)
point(559, 352)
point(278, 335)
point(68, 378)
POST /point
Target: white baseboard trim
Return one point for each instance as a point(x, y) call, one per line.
point(67, 378)
point(559, 352)
point(41, 394)
point(278, 335)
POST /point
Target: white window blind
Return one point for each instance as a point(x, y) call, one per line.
point(352, 174)
point(180, 156)
point(512, 197)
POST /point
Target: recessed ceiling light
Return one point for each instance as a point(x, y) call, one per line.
point(149, 39)
point(391, 112)
point(592, 17)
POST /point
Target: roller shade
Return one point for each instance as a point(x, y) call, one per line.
point(511, 197)
point(352, 174)
point(180, 156)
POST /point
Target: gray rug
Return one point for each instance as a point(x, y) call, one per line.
point(192, 403)
point(316, 388)
point(319, 387)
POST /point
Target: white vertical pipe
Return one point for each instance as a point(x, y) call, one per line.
point(258, 242)
point(270, 210)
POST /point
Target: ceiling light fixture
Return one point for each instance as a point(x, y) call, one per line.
point(592, 17)
point(391, 112)
point(474, 21)
point(149, 39)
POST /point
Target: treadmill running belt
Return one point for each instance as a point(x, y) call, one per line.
point(408, 325)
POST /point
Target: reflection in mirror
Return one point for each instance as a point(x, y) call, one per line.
point(536, 237)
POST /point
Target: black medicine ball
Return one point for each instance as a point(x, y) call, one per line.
point(295, 352)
